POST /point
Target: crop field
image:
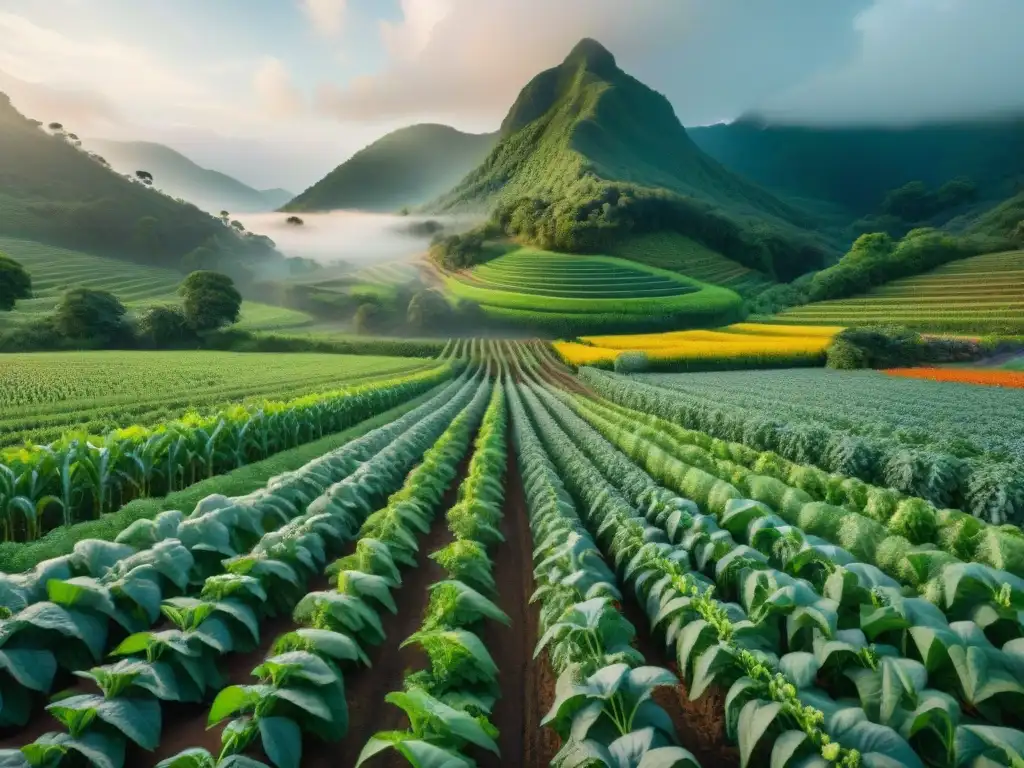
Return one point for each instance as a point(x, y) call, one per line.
point(530, 567)
point(555, 292)
point(668, 250)
point(55, 270)
point(742, 345)
point(982, 293)
point(981, 376)
point(44, 395)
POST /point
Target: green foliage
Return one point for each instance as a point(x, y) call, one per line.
point(366, 318)
point(83, 313)
point(914, 202)
point(164, 326)
point(896, 347)
point(875, 259)
point(632, 362)
point(428, 311)
point(15, 283)
point(210, 300)
point(455, 252)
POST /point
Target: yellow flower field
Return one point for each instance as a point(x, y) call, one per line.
point(741, 344)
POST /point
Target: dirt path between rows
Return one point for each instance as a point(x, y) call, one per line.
point(524, 683)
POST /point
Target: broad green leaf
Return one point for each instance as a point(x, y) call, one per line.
point(190, 758)
point(756, 718)
point(420, 754)
point(788, 746)
point(282, 741)
point(800, 667)
point(236, 699)
point(296, 666)
point(33, 669)
point(418, 704)
point(334, 645)
point(137, 718)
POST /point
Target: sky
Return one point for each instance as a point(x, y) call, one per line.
point(278, 92)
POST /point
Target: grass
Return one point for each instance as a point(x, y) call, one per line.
point(43, 395)
point(669, 250)
point(16, 557)
point(982, 294)
point(55, 270)
point(557, 292)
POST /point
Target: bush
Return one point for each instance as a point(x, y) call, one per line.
point(164, 327)
point(15, 283)
point(367, 318)
point(897, 347)
point(211, 300)
point(456, 252)
point(84, 313)
point(428, 311)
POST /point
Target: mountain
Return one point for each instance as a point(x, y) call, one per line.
point(53, 192)
point(855, 167)
point(404, 168)
point(178, 176)
point(588, 153)
point(586, 117)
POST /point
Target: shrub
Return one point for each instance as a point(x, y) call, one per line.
point(164, 326)
point(915, 520)
point(84, 313)
point(15, 283)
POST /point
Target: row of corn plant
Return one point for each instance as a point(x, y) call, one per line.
point(603, 710)
point(214, 535)
point(989, 488)
point(818, 640)
point(449, 703)
point(986, 596)
point(300, 685)
point(80, 477)
point(766, 474)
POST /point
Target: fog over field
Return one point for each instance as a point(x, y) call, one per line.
point(352, 236)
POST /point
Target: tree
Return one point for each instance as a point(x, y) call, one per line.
point(211, 300)
point(428, 310)
point(84, 313)
point(164, 326)
point(145, 177)
point(15, 283)
point(238, 225)
point(367, 317)
point(224, 216)
point(56, 127)
point(295, 221)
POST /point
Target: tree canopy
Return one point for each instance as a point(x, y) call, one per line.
point(15, 283)
point(211, 300)
point(84, 313)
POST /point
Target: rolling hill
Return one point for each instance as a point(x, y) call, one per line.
point(178, 176)
point(53, 192)
point(854, 167)
point(405, 168)
point(978, 294)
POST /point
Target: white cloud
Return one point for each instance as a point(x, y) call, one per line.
point(918, 60)
point(327, 16)
point(275, 91)
point(461, 59)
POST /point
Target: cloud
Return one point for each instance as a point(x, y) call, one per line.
point(275, 91)
point(918, 60)
point(713, 58)
point(83, 109)
point(327, 16)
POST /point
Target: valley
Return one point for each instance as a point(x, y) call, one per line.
point(569, 436)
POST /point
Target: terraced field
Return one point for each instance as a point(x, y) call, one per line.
point(55, 270)
point(982, 293)
point(556, 291)
point(503, 564)
point(668, 250)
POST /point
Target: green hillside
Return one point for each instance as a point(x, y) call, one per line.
point(405, 168)
point(855, 167)
point(54, 192)
point(55, 270)
point(669, 250)
point(574, 294)
point(978, 294)
point(587, 153)
point(178, 176)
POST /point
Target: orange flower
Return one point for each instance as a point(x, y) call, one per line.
point(990, 378)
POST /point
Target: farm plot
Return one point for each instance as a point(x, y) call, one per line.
point(695, 602)
point(742, 345)
point(555, 291)
point(44, 395)
point(979, 294)
point(56, 270)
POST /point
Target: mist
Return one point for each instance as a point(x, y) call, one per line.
point(355, 237)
